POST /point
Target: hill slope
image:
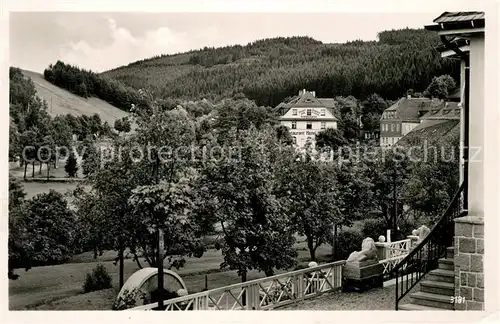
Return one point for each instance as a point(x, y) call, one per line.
point(270, 70)
point(62, 102)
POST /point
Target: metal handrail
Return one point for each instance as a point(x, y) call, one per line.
point(424, 256)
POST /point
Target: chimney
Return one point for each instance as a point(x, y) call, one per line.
point(313, 93)
point(300, 93)
point(408, 96)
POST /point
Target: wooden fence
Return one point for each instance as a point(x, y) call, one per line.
point(262, 294)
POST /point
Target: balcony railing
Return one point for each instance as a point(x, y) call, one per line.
point(262, 294)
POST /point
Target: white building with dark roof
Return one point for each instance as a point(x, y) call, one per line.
point(306, 116)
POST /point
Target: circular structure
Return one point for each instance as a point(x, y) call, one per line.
point(145, 283)
point(381, 238)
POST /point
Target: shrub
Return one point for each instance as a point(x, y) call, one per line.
point(97, 280)
point(348, 241)
point(374, 228)
point(128, 300)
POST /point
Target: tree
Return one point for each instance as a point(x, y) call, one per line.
point(311, 194)
point(122, 125)
point(440, 87)
point(71, 166)
point(61, 133)
point(90, 158)
point(330, 138)
point(284, 136)
point(16, 193)
point(240, 194)
point(41, 231)
point(167, 207)
point(390, 170)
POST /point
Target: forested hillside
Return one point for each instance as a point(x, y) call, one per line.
point(271, 70)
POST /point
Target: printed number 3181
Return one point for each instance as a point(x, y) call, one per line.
point(457, 299)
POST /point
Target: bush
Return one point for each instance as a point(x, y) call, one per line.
point(128, 300)
point(374, 228)
point(99, 279)
point(348, 241)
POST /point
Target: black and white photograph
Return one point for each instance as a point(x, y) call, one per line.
point(265, 161)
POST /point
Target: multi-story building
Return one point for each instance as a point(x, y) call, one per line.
point(408, 113)
point(306, 116)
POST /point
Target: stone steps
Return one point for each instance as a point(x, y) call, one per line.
point(415, 307)
point(432, 300)
point(441, 275)
point(436, 288)
point(446, 264)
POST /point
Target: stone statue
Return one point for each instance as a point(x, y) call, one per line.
point(368, 252)
point(422, 233)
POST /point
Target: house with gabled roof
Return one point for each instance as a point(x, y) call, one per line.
point(306, 115)
point(408, 113)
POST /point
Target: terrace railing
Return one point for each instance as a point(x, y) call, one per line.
point(262, 294)
point(394, 252)
point(424, 257)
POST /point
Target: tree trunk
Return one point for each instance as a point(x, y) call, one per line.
point(122, 266)
point(25, 169)
point(48, 170)
point(40, 168)
point(312, 249)
point(159, 260)
point(334, 242)
point(33, 171)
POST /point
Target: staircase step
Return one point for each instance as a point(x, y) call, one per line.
point(416, 307)
point(432, 300)
point(441, 275)
point(446, 264)
point(437, 287)
point(450, 252)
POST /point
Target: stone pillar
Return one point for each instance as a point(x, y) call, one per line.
point(469, 263)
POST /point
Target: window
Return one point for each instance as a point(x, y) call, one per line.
point(294, 140)
point(294, 112)
point(309, 125)
point(294, 125)
point(397, 127)
point(308, 112)
point(323, 125)
point(392, 127)
point(322, 111)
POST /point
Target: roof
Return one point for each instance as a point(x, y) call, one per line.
point(447, 110)
point(408, 109)
point(447, 17)
point(458, 20)
point(306, 99)
point(438, 133)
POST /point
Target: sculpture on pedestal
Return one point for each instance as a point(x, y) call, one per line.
point(368, 252)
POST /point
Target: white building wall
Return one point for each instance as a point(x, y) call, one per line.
point(476, 127)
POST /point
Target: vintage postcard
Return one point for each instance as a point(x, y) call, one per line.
point(282, 157)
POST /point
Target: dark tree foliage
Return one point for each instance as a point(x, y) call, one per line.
point(268, 71)
point(87, 83)
point(71, 166)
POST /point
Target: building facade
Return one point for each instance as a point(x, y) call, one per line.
point(306, 116)
point(407, 114)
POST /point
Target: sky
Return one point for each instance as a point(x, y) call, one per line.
point(105, 40)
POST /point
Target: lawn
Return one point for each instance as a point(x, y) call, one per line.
point(60, 286)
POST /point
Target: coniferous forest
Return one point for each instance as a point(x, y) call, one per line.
point(270, 70)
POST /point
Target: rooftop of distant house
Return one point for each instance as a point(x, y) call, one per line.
point(305, 99)
point(414, 109)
